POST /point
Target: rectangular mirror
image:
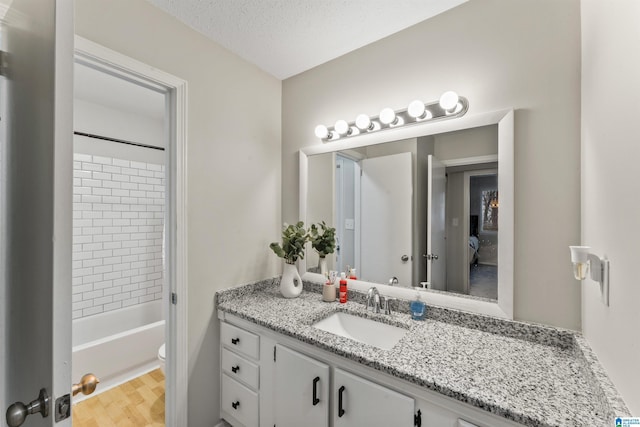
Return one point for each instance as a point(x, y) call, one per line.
point(422, 209)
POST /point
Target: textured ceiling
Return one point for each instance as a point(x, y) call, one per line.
point(287, 37)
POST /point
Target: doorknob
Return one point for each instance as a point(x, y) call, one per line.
point(404, 258)
point(87, 385)
point(18, 412)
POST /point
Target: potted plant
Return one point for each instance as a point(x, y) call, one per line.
point(294, 237)
point(323, 240)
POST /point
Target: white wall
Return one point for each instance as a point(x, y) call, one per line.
point(500, 54)
point(610, 201)
point(233, 155)
point(89, 117)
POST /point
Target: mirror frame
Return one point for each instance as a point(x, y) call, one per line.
point(505, 121)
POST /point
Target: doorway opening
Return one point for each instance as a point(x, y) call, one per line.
point(130, 228)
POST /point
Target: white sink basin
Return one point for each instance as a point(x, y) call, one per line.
point(363, 330)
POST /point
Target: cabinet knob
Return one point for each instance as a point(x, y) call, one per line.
point(235, 404)
point(235, 369)
point(235, 341)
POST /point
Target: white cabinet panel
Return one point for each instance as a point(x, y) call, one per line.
point(240, 402)
point(359, 402)
point(240, 340)
point(301, 391)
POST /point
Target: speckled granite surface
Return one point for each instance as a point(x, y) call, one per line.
point(534, 375)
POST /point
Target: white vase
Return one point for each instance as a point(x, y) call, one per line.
point(290, 283)
point(322, 265)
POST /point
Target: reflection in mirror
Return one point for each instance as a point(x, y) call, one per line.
point(423, 210)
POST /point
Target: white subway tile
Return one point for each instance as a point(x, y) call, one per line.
point(81, 190)
point(102, 160)
point(82, 206)
point(81, 174)
point(103, 300)
point(91, 262)
point(113, 245)
point(80, 289)
point(114, 275)
point(102, 285)
point(80, 272)
point(92, 278)
point(113, 260)
point(77, 165)
point(120, 162)
point(113, 306)
point(102, 238)
point(129, 273)
point(146, 174)
point(91, 230)
point(145, 187)
point(140, 265)
point(101, 175)
point(146, 298)
point(103, 222)
point(83, 304)
point(122, 282)
point(138, 165)
point(124, 269)
point(111, 199)
point(82, 157)
point(129, 171)
point(120, 178)
point(91, 311)
point(154, 181)
point(129, 302)
point(121, 193)
point(89, 198)
point(113, 291)
point(103, 269)
point(99, 191)
point(111, 169)
point(102, 207)
point(113, 215)
point(91, 214)
point(103, 253)
point(91, 295)
point(113, 184)
point(154, 167)
point(122, 208)
point(138, 293)
point(86, 182)
point(91, 167)
point(122, 296)
point(130, 287)
point(122, 252)
point(130, 244)
point(137, 193)
point(129, 186)
point(113, 230)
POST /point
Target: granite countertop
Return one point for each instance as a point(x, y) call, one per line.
point(531, 374)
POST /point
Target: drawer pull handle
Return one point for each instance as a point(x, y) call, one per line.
point(341, 410)
point(235, 369)
point(315, 401)
point(235, 404)
point(235, 341)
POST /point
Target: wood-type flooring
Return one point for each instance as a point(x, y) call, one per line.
point(136, 403)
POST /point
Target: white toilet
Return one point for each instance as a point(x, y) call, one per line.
point(161, 357)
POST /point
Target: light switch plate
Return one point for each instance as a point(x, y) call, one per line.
point(349, 224)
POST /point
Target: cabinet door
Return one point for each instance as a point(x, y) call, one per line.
point(359, 402)
point(301, 391)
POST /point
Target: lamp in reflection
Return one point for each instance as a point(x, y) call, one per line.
point(449, 105)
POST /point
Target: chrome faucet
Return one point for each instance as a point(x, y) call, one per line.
point(373, 300)
point(393, 281)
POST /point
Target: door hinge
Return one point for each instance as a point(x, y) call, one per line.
point(274, 353)
point(63, 407)
point(174, 298)
point(417, 419)
point(4, 63)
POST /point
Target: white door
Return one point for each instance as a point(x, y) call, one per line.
point(386, 204)
point(36, 176)
point(301, 390)
point(436, 224)
point(359, 402)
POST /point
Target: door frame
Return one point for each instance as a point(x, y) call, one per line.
point(122, 66)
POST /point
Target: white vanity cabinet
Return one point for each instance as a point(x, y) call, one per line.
point(283, 382)
point(301, 390)
point(240, 376)
point(359, 402)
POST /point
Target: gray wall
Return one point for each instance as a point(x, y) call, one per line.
point(233, 167)
point(610, 203)
point(500, 54)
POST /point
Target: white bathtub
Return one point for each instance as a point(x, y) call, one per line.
point(118, 345)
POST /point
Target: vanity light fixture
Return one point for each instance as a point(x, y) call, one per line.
point(449, 106)
point(584, 261)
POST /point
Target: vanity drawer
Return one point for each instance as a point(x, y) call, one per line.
point(239, 368)
point(240, 340)
point(239, 402)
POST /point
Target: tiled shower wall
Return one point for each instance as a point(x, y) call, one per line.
point(118, 221)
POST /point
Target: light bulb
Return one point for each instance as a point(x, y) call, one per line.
point(449, 100)
point(416, 109)
point(387, 116)
point(363, 122)
point(342, 127)
point(322, 132)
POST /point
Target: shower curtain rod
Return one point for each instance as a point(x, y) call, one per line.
point(120, 141)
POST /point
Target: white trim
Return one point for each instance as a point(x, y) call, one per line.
point(505, 121)
point(177, 368)
point(490, 158)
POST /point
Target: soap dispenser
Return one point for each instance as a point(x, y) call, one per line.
point(417, 307)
